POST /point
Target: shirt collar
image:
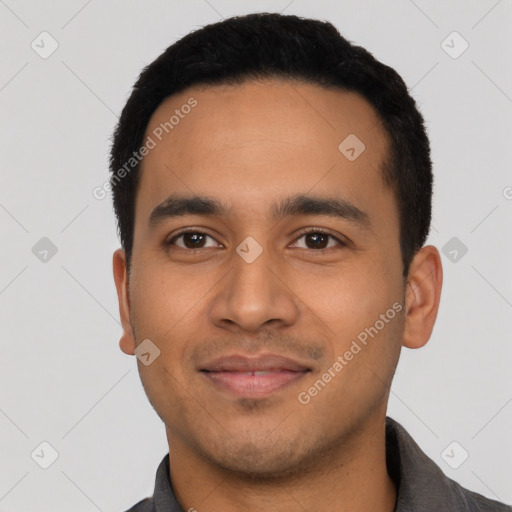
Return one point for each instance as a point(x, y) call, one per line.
point(421, 485)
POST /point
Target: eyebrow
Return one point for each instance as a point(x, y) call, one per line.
point(299, 204)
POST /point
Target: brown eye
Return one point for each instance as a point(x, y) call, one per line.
point(319, 240)
point(190, 240)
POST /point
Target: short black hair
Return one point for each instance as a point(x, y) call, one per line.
point(266, 45)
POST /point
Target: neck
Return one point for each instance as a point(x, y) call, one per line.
point(351, 477)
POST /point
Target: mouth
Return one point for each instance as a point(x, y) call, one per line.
point(253, 377)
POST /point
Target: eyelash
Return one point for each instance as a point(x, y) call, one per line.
point(306, 231)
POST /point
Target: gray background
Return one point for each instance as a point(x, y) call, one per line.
point(64, 380)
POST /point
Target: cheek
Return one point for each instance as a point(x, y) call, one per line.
point(163, 294)
point(364, 327)
point(161, 304)
point(164, 306)
point(346, 298)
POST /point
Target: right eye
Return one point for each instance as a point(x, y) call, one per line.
point(191, 240)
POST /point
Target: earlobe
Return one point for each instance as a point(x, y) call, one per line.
point(127, 340)
point(423, 294)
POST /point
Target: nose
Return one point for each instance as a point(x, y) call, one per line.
point(254, 296)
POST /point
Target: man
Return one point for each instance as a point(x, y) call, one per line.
point(272, 185)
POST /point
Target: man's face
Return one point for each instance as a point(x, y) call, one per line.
point(250, 283)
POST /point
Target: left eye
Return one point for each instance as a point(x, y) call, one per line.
point(314, 239)
point(319, 240)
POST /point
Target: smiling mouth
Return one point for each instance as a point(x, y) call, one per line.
point(253, 377)
point(253, 384)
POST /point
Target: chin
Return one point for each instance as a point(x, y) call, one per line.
point(267, 460)
point(260, 469)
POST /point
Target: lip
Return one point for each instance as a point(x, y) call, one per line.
point(253, 377)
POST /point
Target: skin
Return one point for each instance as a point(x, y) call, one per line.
point(249, 146)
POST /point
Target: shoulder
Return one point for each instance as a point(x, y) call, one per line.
point(422, 485)
point(478, 503)
point(145, 505)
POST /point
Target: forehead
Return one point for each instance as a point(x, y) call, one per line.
point(252, 142)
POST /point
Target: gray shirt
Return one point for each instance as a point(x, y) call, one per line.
point(422, 486)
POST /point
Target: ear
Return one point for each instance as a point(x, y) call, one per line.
point(423, 293)
point(127, 341)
